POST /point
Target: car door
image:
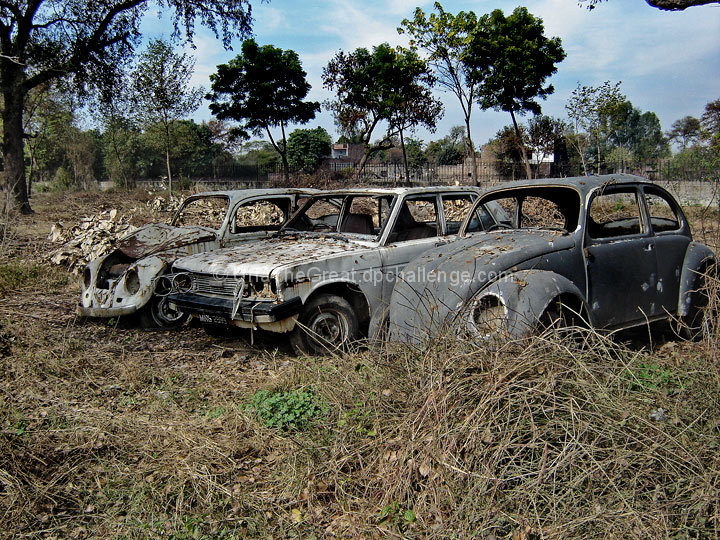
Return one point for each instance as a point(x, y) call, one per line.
point(672, 237)
point(417, 227)
point(620, 259)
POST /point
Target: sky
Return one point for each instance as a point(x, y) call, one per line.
point(668, 62)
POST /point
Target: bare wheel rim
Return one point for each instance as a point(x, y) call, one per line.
point(165, 314)
point(329, 327)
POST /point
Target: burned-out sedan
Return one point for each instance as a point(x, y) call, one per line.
point(610, 251)
point(327, 276)
point(123, 281)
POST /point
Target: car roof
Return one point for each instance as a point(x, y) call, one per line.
point(583, 184)
point(255, 192)
point(399, 190)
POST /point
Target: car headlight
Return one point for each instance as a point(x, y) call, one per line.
point(182, 283)
point(486, 316)
point(132, 281)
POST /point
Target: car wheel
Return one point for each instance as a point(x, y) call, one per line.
point(326, 324)
point(159, 314)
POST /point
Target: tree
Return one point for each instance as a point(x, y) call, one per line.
point(307, 148)
point(387, 84)
point(263, 88)
point(510, 59)
point(46, 40)
point(445, 38)
point(508, 151)
point(543, 133)
point(160, 82)
point(637, 132)
point(589, 107)
point(412, 102)
point(667, 5)
point(449, 149)
point(686, 131)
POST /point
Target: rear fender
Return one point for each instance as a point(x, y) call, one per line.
point(698, 258)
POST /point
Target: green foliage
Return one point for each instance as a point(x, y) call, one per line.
point(639, 133)
point(288, 410)
point(387, 84)
point(449, 150)
point(307, 148)
point(446, 40)
point(653, 377)
point(395, 514)
point(685, 131)
point(262, 87)
point(511, 60)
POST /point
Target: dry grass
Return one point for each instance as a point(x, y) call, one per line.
point(107, 431)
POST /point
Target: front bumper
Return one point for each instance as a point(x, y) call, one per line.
point(249, 310)
point(83, 311)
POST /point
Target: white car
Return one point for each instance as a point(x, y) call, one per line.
point(123, 281)
point(327, 276)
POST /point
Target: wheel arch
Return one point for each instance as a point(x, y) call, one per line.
point(352, 293)
point(698, 259)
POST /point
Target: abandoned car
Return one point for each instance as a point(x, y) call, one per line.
point(122, 282)
point(327, 276)
point(610, 251)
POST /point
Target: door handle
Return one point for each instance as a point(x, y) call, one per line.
point(650, 247)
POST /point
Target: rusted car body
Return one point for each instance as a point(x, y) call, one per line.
point(610, 251)
point(327, 276)
point(123, 281)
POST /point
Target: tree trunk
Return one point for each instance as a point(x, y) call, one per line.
point(522, 146)
point(13, 138)
point(471, 152)
point(405, 162)
point(167, 155)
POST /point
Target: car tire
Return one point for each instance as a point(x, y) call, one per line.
point(327, 323)
point(158, 314)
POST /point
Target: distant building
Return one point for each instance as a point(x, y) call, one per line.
point(348, 151)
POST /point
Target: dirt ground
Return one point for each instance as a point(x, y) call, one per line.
point(111, 431)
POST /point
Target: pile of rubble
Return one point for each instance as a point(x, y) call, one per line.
point(93, 237)
point(162, 203)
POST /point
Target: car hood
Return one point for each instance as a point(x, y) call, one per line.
point(157, 237)
point(435, 284)
point(262, 257)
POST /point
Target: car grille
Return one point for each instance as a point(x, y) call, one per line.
point(216, 286)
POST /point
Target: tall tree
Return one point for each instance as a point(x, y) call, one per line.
point(160, 84)
point(445, 39)
point(412, 102)
point(637, 132)
point(263, 88)
point(510, 59)
point(589, 108)
point(386, 85)
point(44, 40)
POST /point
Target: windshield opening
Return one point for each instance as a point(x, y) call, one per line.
point(359, 214)
point(554, 208)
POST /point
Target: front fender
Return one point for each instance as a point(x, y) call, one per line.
point(697, 259)
point(526, 295)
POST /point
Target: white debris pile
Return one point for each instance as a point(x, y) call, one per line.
point(92, 237)
point(263, 213)
point(161, 203)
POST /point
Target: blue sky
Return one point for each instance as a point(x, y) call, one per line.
point(668, 62)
